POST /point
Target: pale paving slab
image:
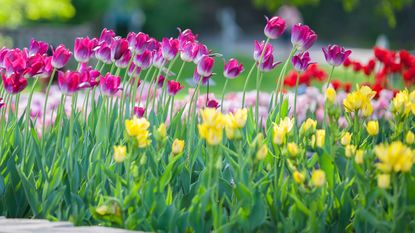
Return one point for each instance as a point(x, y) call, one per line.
point(44, 226)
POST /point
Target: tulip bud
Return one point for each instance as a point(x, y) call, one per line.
point(262, 152)
point(120, 153)
point(177, 146)
point(205, 66)
point(410, 138)
point(346, 138)
point(301, 61)
point(384, 181)
point(349, 150)
point(320, 137)
point(232, 69)
point(298, 177)
point(318, 178)
point(331, 95)
point(372, 128)
point(161, 133)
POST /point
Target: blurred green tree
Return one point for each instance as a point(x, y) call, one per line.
point(387, 8)
point(14, 13)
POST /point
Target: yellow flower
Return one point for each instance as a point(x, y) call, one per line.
point(350, 150)
point(384, 181)
point(177, 146)
point(331, 95)
point(212, 126)
point(395, 157)
point(318, 178)
point(358, 156)
point(320, 137)
point(287, 124)
point(298, 177)
point(136, 125)
point(262, 152)
point(138, 128)
point(346, 138)
point(240, 117)
point(120, 153)
point(292, 149)
point(309, 126)
point(143, 139)
point(279, 135)
point(360, 100)
point(410, 138)
point(402, 104)
point(372, 128)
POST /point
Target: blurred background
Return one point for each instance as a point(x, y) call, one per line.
point(226, 26)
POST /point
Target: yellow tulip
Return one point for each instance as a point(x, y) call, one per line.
point(212, 126)
point(384, 181)
point(410, 138)
point(279, 135)
point(292, 149)
point(241, 115)
point(401, 104)
point(262, 152)
point(396, 157)
point(372, 128)
point(318, 178)
point(143, 139)
point(320, 137)
point(120, 153)
point(298, 177)
point(331, 95)
point(136, 125)
point(161, 132)
point(346, 138)
point(359, 157)
point(350, 150)
point(177, 146)
point(308, 126)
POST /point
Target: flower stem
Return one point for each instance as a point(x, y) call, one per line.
point(246, 84)
point(223, 94)
point(280, 84)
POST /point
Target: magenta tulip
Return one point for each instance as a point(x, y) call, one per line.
point(71, 81)
point(232, 69)
point(107, 36)
point(301, 61)
point(144, 60)
point(38, 47)
point(169, 48)
point(15, 83)
point(173, 87)
point(259, 47)
point(335, 54)
point(60, 56)
point(83, 49)
point(268, 64)
point(302, 37)
point(275, 27)
point(205, 66)
point(110, 84)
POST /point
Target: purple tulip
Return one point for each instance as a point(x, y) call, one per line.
point(205, 66)
point(302, 37)
point(259, 47)
point(275, 27)
point(144, 60)
point(60, 56)
point(301, 61)
point(232, 69)
point(1, 103)
point(110, 84)
point(335, 54)
point(169, 48)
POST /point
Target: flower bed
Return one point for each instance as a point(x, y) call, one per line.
point(113, 145)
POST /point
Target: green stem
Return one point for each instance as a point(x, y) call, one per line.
point(246, 84)
point(280, 84)
point(295, 107)
point(46, 100)
point(223, 94)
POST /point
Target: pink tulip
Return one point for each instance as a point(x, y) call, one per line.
point(202, 50)
point(158, 59)
point(119, 47)
point(1, 103)
point(139, 111)
point(169, 48)
point(15, 61)
point(268, 64)
point(124, 60)
point(302, 37)
point(47, 70)
point(60, 56)
point(335, 54)
point(160, 81)
point(107, 36)
point(38, 47)
point(301, 61)
point(103, 53)
point(71, 81)
point(205, 66)
point(140, 42)
point(15, 83)
point(275, 27)
point(83, 49)
point(197, 77)
point(35, 65)
point(134, 70)
point(89, 75)
point(232, 69)
point(144, 60)
point(110, 84)
point(212, 103)
point(173, 87)
point(185, 37)
point(259, 47)
point(153, 44)
point(188, 51)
